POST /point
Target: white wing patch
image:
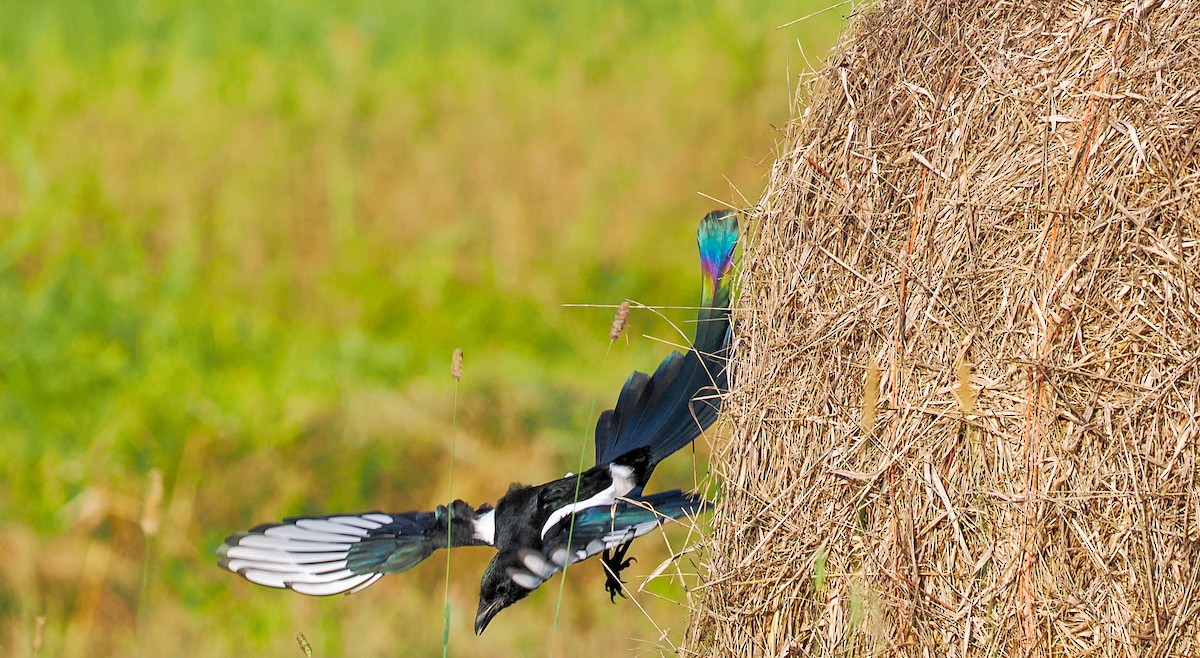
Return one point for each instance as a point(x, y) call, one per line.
point(537, 564)
point(524, 578)
point(484, 527)
point(537, 570)
point(304, 555)
point(622, 484)
point(608, 541)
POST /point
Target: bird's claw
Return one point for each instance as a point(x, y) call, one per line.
point(615, 562)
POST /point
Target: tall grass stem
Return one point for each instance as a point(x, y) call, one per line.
point(583, 449)
point(456, 372)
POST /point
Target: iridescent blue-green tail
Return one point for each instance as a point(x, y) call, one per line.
point(667, 410)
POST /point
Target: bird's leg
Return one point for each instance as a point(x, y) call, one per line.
point(614, 563)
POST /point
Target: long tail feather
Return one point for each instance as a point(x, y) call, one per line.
point(668, 410)
point(717, 240)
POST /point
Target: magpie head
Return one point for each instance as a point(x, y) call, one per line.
point(500, 588)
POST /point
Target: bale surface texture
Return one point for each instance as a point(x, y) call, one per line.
point(967, 397)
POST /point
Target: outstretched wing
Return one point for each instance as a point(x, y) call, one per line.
point(344, 553)
point(601, 528)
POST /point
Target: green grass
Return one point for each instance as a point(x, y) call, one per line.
point(238, 243)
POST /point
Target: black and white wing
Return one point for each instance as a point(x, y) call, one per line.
point(601, 528)
point(345, 553)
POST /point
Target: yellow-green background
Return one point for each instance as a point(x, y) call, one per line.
point(239, 241)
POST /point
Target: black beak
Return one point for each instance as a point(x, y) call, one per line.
point(486, 613)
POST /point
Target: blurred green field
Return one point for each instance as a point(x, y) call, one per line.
point(238, 243)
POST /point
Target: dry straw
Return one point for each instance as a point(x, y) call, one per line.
point(966, 413)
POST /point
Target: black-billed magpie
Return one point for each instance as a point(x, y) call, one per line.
point(536, 530)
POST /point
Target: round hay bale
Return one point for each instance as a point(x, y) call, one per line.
point(967, 399)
